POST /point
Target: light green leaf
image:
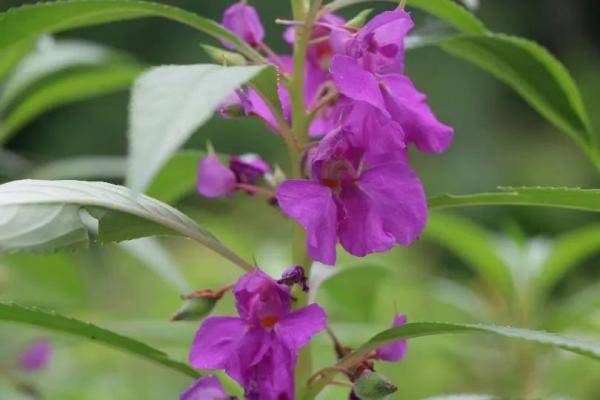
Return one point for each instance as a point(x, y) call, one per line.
point(463, 397)
point(49, 320)
point(474, 246)
point(156, 258)
point(11, 55)
point(223, 57)
point(446, 10)
point(567, 252)
point(64, 89)
point(168, 104)
point(571, 198)
point(177, 177)
point(535, 74)
point(47, 215)
point(566, 312)
point(29, 21)
point(86, 168)
point(53, 56)
point(419, 329)
point(344, 304)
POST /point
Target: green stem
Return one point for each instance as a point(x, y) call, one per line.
point(300, 123)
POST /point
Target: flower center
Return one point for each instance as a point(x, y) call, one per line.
point(269, 321)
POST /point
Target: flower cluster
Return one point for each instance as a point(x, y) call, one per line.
point(360, 190)
point(356, 188)
point(260, 347)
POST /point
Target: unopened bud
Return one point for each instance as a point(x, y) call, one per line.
point(373, 386)
point(195, 309)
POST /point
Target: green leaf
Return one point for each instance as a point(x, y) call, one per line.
point(474, 246)
point(355, 304)
point(49, 320)
point(86, 168)
point(64, 89)
point(566, 312)
point(446, 10)
point(464, 397)
point(177, 177)
point(571, 198)
point(568, 251)
point(11, 55)
point(533, 73)
point(29, 21)
point(53, 56)
point(168, 104)
point(47, 215)
point(419, 329)
point(223, 57)
point(156, 258)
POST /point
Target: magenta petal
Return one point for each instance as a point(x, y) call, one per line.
point(273, 377)
point(259, 296)
point(36, 356)
point(409, 108)
point(298, 327)
point(361, 230)
point(216, 342)
point(214, 178)
point(243, 20)
point(355, 82)
point(380, 43)
point(206, 388)
point(399, 200)
point(396, 350)
point(312, 205)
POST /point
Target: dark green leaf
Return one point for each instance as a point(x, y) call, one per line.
point(31, 316)
point(419, 329)
point(572, 198)
point(177, 177)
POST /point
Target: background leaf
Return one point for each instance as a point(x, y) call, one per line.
point(572, 198)
point(29, 21)
point(418, 329)
point(86, 168)
point(474, 246)
point(168, 104)
point(177, 177)
point(46, 215)
point(32, 316)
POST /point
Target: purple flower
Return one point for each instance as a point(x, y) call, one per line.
point(206, 388)
point(321, 50)
point(370, 69)
point(394, 351)
point(367, 199)
point(36, 356)
point(243, 20)
point(379, 45)
point(216, 180)
point(259, 348)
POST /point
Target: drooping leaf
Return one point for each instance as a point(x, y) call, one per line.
point(571, 198)
point(74, 86)
point(569, 250)
point(533, 73)
point(51, 56)
point(48, 215)
point(11, 55)
point(419, 329)
point(85, 168)
point(29, 21)
point(49, 320)
point(474, 246)
point(168, 104)
point(177, 177)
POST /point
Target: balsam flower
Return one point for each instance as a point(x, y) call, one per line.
point(366, 199)
point(36, 356)
point(243, 20)
point(205, 388)
point(396, 350)
point(216, 180)
point(259, 348)
point(371, 71)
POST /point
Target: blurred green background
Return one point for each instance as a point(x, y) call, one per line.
point(499, 141)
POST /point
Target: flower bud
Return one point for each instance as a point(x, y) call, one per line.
point(373, 386)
